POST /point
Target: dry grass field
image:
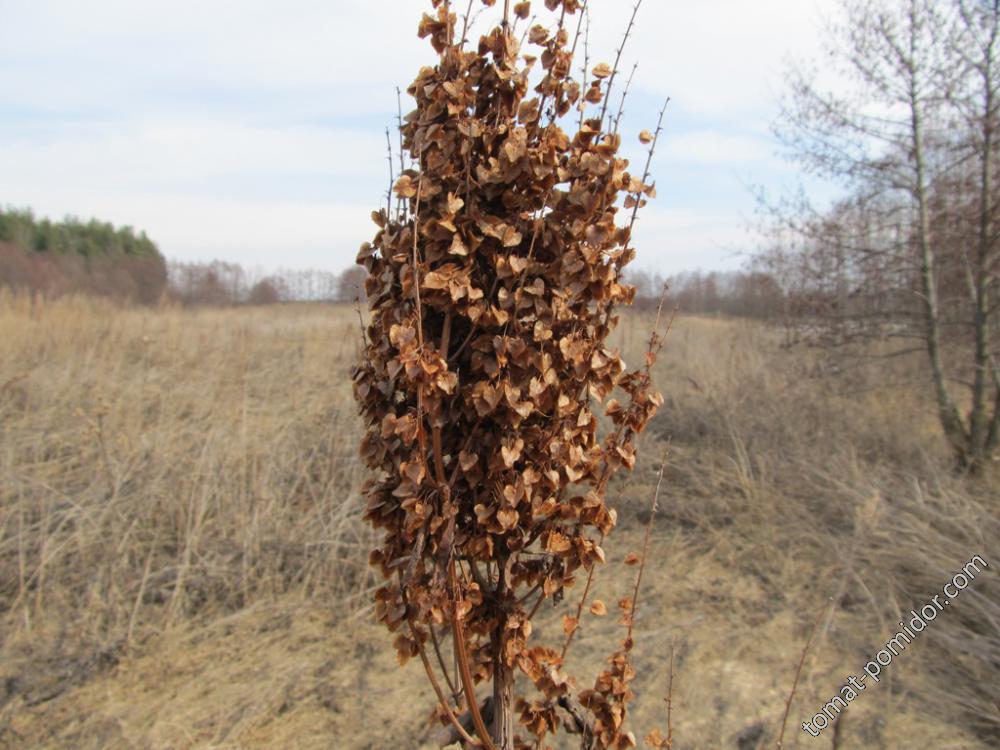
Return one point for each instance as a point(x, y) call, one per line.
point(183, 563)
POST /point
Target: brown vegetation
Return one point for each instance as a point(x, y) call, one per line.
point(487, 385)
point(183, 561)
point(136, 278)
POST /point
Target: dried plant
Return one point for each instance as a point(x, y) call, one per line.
point(493, 290)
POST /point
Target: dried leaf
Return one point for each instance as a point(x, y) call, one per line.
point(457, 246)
point(570, 624)
point(538, 34)
point(405, 187)
point(507, 518)
point(602, 70)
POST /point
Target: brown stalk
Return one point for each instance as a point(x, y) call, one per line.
point(438, 457)
point(670, 700)
point(455, 692)
point(541, 104)
point(421, 432)
point(649, 162)
point(586, 61)
point(445, 336)
point(527, 29)
point(416, 271)
point(579, 608)
point(475, 574)
point(539, 222)
point(655, 345)
point(467, 339)
point(462, 657)
point(437, 688)
point(621, 104)
point(537, 604)
point(418, 550)
point(618, 59)
point(465, 25)
point(436, 434)
point(534, 590)
point(401, 204)
point(798, 673)
point(645, 551)
point(584, 10)
point(392, 181)
point(399, 127)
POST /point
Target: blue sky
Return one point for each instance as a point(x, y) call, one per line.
point(254, 132)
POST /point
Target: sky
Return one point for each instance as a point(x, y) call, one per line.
point(254, 131)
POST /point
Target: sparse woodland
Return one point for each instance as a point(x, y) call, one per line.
point(910, 257)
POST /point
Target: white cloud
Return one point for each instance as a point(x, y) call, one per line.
point(301, 53)
point(210, 189)
point(248, 130)
point(672, 240)
point(711, 147)
point(256, 232)
point(191, 149)
point(716, 58)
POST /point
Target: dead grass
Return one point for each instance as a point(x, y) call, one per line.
point(182, 563)
point(159, 467)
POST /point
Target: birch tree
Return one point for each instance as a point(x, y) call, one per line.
point(912, 137)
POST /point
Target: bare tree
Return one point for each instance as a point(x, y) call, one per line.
point(267, 291)
point(351, 285)
point(907, 137)
point(976, 102)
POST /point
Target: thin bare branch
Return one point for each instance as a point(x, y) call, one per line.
point(618, 59)
point(621, 104)
point(798, 673)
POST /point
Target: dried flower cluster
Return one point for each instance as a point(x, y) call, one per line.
point(493, 285)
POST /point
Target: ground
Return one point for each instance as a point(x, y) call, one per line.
point(182, 561)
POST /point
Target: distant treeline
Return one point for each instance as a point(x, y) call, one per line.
point(221, 284)
point(76, 257)
point(93, 257)
point(748, 294)
point(738, 293)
